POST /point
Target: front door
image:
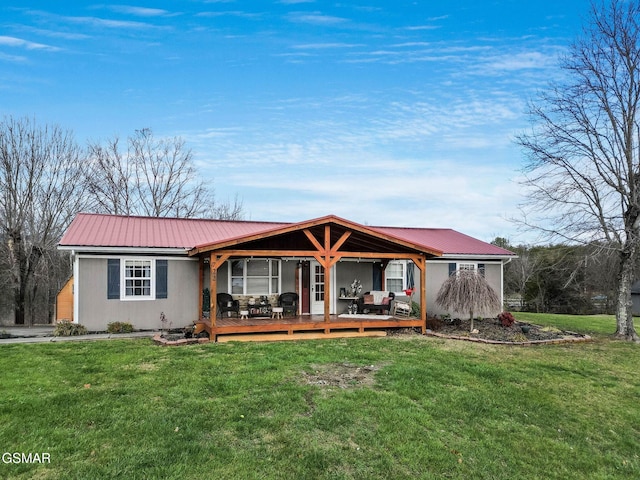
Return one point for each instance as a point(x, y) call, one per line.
point(317, 288)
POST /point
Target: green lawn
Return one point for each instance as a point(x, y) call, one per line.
point(590, 324)
point(406, 408)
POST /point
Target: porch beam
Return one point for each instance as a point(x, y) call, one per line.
point(313, 240)
point(313, 253)
point(335, 259)
point(345, 236)
point(220, 258)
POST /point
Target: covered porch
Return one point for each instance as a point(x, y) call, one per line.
point(322, 243)
point(306, 323)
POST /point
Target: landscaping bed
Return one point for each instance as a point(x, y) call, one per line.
point(491, 330)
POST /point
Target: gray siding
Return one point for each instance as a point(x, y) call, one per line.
point(95, 311)
point(438, 272)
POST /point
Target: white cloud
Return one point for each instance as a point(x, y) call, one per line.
point(316, 18)
point(26, 44)
point(141, 11)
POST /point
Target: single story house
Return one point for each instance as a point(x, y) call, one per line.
point(139, 269)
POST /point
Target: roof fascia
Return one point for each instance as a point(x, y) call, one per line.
point(308, 224)
point(124, 250)
point(474, 256)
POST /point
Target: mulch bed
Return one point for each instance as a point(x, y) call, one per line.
point(489, 330)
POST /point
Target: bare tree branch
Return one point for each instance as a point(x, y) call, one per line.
point(154, 177)
point(583, 173)
point(41, 173)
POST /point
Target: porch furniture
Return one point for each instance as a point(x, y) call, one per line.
point(353, 304)
point(260, 310)
point(244, 314)
point(375, 300)
point(276, 312)
point(289, 302)
point(226, 304)
point(401, 309)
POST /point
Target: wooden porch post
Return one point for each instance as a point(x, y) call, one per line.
point(421, 262)
point(423, 293)
point(200, 286)
point(327, 276)
point(213, 288)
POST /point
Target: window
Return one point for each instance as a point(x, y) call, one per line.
point(469, 266)
point(254, 276)
point(395, 275)
point(137, 278)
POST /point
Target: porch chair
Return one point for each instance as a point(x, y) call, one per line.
point(289, 302)
point(227, 304)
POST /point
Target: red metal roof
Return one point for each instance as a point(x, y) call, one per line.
point(99, 230)
point(449, 241)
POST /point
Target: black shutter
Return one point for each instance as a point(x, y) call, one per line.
point(377, 276)
point(113, 278)
point(452, 268)
point(481, 269)
point(162, 270)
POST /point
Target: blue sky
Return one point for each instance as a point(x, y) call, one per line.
point(395, 113)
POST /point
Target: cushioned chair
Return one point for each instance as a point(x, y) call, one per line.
point(289, 302)
point(226, 303)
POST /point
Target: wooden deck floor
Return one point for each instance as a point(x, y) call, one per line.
point(304, 323)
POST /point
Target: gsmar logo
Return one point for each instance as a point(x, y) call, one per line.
point(21, 457)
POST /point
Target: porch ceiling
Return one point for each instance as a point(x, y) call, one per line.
point(295, 238)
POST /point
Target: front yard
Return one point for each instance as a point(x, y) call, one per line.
point(395, 407)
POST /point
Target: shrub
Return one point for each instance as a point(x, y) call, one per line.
point(119, 327)
point(506, 319)
point(65, 328)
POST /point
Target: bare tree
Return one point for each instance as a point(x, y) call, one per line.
point(41, 169)
point(468, 291)
point(153, 177)
point(109, 178)
point(584, 155)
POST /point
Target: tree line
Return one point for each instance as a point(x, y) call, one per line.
point(561, 278)
point(47, 177)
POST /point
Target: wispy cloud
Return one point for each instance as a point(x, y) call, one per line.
point(316, 18)
point(141, 11)
point(229, 13)
point(422, 27)
point(57, 34)
point(109, 23)
point(12, 58)
point(521, 61)
point(319, 46)
point(26, 44)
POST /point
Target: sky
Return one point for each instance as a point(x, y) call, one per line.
point(397, 113)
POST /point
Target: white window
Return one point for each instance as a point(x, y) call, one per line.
point(138, 279)
point(472, 267)
point(254, 276)
point(395, 276)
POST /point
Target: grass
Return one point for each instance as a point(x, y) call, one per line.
point(591, 324)
point(428, 408)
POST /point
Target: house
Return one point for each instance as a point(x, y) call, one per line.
point(635, 298)
point(133, 269)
